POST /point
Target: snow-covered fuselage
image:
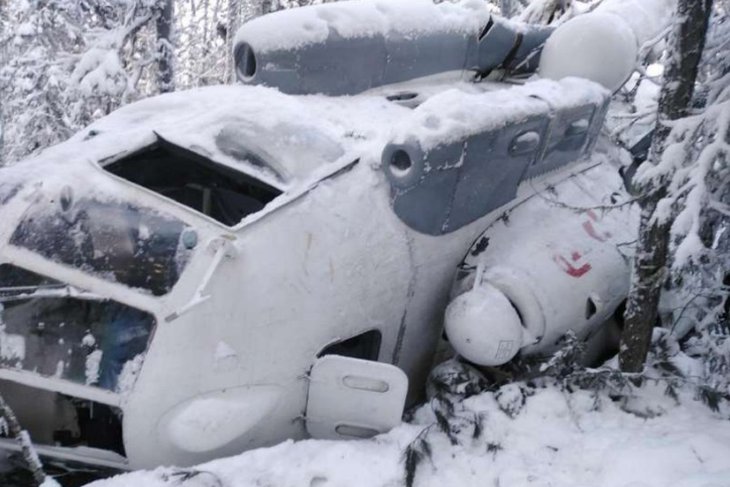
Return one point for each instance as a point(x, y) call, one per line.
point(222, 347)
point(220, 269)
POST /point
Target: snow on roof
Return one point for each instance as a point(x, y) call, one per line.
point(454, 115)
point(296, 135)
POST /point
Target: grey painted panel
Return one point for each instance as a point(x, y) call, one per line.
point(422, 196)
point(346, 65)
point(494, 47)
point(492, 170)
point(408, 59)
point(339, 67)
point(461, 182)
point(573, 133)
point(350, 65)
point(527, 57)
point(425, 208)
point(599, 118)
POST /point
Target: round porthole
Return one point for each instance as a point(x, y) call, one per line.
point(403, 164)
point(400, 162)
point(245, 61)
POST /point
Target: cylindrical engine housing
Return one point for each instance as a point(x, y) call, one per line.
point(349, 47)
point(561, 268)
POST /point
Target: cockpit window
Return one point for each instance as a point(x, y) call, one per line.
point(48, 328)
point(117, 241)
point(215, 190)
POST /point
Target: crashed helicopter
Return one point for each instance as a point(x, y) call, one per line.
point(214, 270)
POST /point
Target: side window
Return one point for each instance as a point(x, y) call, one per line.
point(88, 341)
point(117, 241)
point(365, 346)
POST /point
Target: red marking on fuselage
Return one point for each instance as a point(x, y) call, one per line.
point(591, 230)
point(569, 269)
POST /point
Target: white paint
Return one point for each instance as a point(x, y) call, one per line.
point(212, 420)
point(327, 261)
point(352, 398)
point(571, 257)
point(224, 351)
point(483, 326)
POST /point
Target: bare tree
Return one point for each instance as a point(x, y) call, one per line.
point(165, 49)
point(234, 22)
point(651, 260)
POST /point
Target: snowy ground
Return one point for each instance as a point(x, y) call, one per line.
point(555, 439)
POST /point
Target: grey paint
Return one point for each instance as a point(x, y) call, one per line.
point(491, 172)
point(350, 65)
point(493, 46)
point(526, 58)
point(564, 142)
point(425, 192)
point(457, 183)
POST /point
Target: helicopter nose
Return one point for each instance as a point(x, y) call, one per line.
point(214, 420)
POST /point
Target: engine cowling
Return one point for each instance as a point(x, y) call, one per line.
point(484, 326)
point(346, 48)
point(556, 267)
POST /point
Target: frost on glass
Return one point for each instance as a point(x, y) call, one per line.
point(84, 340)
point(117, 241)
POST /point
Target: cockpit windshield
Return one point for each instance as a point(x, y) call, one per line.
point(51, 329)
point(117, 241)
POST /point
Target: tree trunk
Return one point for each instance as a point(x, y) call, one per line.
point(651, 260)
point(234, 19)
point(32, 461)
point(165, 73)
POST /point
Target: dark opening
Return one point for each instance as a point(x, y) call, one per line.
point(44, 331)
point(486, 29)
point(246, 60)
point(591, 308)
point(400, 160)
point(405, 96)
point(215, 190)
point(365, 346)
point(56, 419)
